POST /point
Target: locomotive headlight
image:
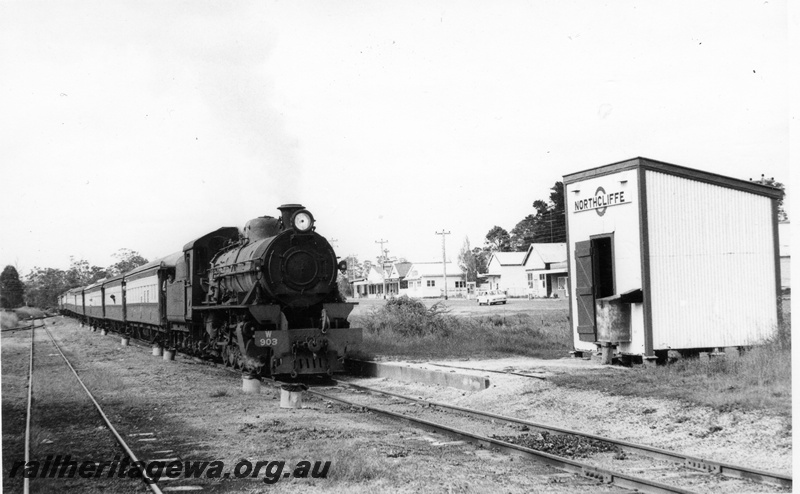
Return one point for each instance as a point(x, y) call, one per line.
point(302, 221)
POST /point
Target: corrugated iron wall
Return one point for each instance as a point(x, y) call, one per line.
point(712, 264)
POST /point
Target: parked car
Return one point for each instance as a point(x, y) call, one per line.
point(491, 298)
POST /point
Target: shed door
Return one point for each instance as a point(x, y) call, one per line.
point(584, 290)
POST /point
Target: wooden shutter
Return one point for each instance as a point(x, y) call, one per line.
point(584, 290)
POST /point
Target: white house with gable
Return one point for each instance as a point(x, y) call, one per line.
point(371, 285)
point(546, 270)
point(505, 272)
point(426, 280)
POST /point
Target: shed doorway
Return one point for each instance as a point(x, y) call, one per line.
point(594, 271)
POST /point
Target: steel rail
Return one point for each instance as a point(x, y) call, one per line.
point(595, 473)
point(145, 477)
point(22, 328)
point(694, 462)
point(565, 464)
point(26, 482)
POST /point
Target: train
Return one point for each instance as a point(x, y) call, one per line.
point(264, 299)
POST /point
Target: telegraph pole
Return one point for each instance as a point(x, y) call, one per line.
point(383, 269)
point(444, 261)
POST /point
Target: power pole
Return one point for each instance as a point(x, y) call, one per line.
point(444, 261)
point(383, 270)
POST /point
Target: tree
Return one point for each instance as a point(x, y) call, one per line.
point(80, 273)
point(366, 267)
point(345, 286)
point(44, 285)
point(523, 234)
point(547, 225)
point(782, 216)
point(12, 290)
point(497, 240)
point(127, 260)
point(481, 260)
point(467, 262)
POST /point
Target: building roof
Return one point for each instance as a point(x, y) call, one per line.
point(681, 171)
point(373, 276)
point(401, 268)
point(509, 258)
point(548, 252)
point(431, 269)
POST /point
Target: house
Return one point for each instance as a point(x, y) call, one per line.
point(426, 280)
point(396, 280)
point(546, 269)
point(372, 285)
point(506, 273)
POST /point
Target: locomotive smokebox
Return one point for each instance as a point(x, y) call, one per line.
point(287, 210)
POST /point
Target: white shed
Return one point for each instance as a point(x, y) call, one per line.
point(663, 257)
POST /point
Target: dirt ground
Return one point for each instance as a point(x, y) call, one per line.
point(757, 439)
point(193, 411)
point(190, 410)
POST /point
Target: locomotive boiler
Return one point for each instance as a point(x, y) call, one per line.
point(272, 301)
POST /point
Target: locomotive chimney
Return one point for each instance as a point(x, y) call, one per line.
point(287, 210)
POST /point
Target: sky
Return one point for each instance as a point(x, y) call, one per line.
point(146, 124)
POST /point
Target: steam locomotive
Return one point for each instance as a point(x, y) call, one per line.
point(264, 300)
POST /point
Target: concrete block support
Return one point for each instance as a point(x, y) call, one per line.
point(414, 374)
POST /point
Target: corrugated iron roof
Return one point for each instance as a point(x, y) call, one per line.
point(429, 269)
point(682, 171)
point(555, 252)
point(402, 268)
point(510, 258)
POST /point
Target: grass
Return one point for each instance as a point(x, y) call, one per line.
point(10, 319)
point(405, 327)
point(761, 378)
point(359, 465)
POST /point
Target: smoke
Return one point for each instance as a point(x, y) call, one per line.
point(224, 55)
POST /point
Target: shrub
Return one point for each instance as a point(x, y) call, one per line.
point(409, 317)
point(405, 327)
point(8, 320)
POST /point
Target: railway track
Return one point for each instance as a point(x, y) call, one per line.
point(675, 472)
point(694, 462)
point(38, 405)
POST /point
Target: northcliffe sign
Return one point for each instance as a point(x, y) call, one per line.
point(601, 201)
